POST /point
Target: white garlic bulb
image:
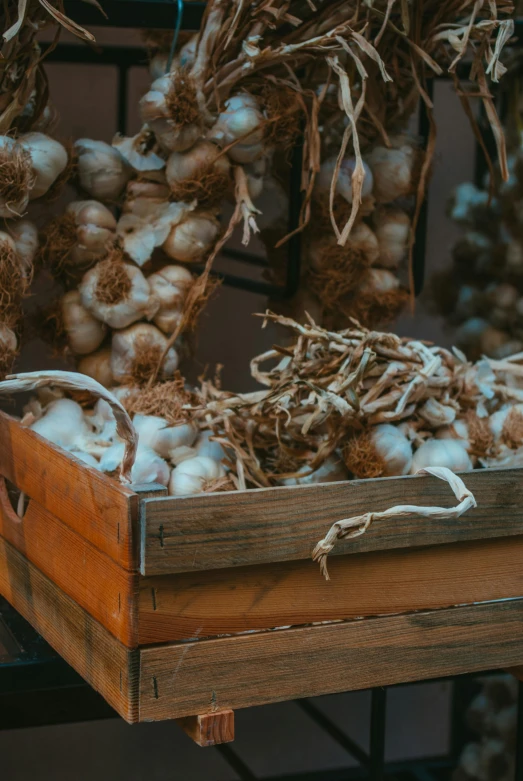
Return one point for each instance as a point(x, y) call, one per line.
point(361, 244)
point(170, 285)
point(205, 447)
point(117, 294)
point(344, 182)
point(102, 170)
point(158, 109)
point(241, 121)
point(331, 471)
point(25, 237)
point(95, 232)
point(193, 475)
point(450, 453)
point(102, 421)
point(16, 177)
point(392, 228)
point(86, 458)
point(204, 156)
point(393, 449)
point(378, 280)
point(437, 414)
point(393, 169)
point(189, 241)
point(136, 352)
point(84, 332)
point(48, 160)
point(8, 348)
point(63, 424)
point(98, 366)
point(156, 433)
point(140, 151)
point(498, 419)
point(148, 467)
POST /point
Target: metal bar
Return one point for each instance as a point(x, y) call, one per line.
point(378, 719)
point(121, 90)
point(335, 732)
point(234, 761)
point(130, 56)
point(519, 735)
point(420, 246)
point(247, 257)
point(143, 14)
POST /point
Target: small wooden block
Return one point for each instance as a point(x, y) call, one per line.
point(209, 729)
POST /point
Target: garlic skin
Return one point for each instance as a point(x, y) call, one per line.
point(102, 421)
point(138, 302)
point(137, 344)
point(393, 169)
point(98, 366)
point(450, 453)
point(48, 158)
point(147, 468)
point(241, 121)
point(203, 156)
point(393, 448)
point(140, 151)
point(84, 332)
point(148, 225)
point(392, 229)
point(205, 447)
point(25, 236)
point(63, 424)
point(155, 432)
point(331, 471)
point(189, 241)
point(96, 231)
point(170, 285)
point(344, 183)
point(87, 458)
point(437, 414)
point(191, 476)
point(154, 111)
point(102, 170)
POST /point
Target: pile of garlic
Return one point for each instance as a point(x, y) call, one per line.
point(481, 295)
point(492, 715)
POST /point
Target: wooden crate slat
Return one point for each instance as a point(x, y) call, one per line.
point(280, 524)
point(96, 506)
point(255, 669)
point(105, 590)
point(293, 593)
point(95, 654)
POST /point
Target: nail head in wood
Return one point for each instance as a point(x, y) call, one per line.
point(209, 729)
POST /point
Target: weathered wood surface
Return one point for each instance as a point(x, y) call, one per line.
point(203, 604)
point(95, 654)
point(106, 591)
point(97, 507)
point(277, 524)
point(209, 729)
point(254, 669)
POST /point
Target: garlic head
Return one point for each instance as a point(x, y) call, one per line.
point(193, 475)
point(98, 366)
point(48, 159)
point(136, 351)
point(450, 453)
point(189, 241)
point(84, 332)
point(102, 170)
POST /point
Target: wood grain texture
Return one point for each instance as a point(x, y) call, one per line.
point(278, 524)
point(97, 507)
point(95, 654)
point(204, 604)
point(209, 729)
point(254, 669)
point(102, 588)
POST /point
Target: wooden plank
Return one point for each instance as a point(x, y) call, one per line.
point(281, 524)
point(95, 654)
point(254, 669)
point(210, 729)
point(97, 507)
point(294, 593)
point(105, 590)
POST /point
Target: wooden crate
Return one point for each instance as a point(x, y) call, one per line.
point(188, 608)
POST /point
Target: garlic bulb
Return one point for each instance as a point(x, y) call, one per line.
point(170, 285)
point(98, 366)
point(8, 348)
point(117, 293)
point(498, 420)
point(102, 421)
point(84, 332)
point(331, 471)
point(148, 225)
point(16, 177)
point(205, 447)
point(102, 170)
point(63, 424)
point(140, 151)
point(344, 183)
point(193, 475)
point(48, 160)
point(379, 280)
point(393, 169)
point(136, 352)
point(170, 109)
point(25, 236)
point(189, 241)
point(392, 229)
point(201, 173)
point(437, 414)
point(95, 232)
point(155, 432)
point(147, 468)
point(243, 122)
point(87, 458)
point(393, 448)
point(450, 453)
point(360, 249)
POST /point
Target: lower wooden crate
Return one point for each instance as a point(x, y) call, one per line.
point(180, 679)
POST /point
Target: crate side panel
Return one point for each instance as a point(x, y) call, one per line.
point(94, 505)
point(91, 650)
point(239, 599)
point(278, 524)
point(255, 669)
point(105, 590)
